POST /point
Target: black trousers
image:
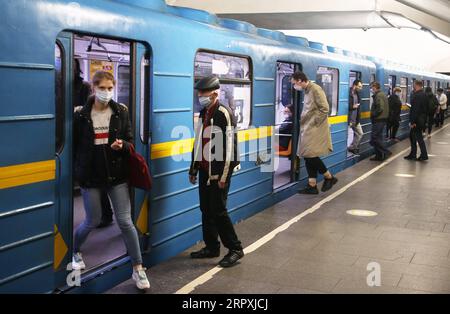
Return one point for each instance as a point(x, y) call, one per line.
point(314, 165)
point(376, 139)
point(440, 118)
point(415, 136)
point(215, 219)
point(430, 122)
point(393, 127)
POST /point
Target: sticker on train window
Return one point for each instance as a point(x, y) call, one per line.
point(328, 79)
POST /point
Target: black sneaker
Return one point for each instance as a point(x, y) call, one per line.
point(353, 151)
point(105, 223)
point(328, 184)
point(205, 253)
point(309, 190)
point(410, 157)
point(231, 258)
point(422, 158)
point(387, 155)
point(376, 158)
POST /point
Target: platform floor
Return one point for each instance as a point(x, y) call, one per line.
point(328, 250)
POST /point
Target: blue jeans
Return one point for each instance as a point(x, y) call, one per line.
point(120, 199)
point(376, 139)
point(357, 135)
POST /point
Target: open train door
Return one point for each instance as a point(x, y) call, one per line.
point(130, 63)
point(142, 136)
point(63, 156)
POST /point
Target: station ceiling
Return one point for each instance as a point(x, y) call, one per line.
point(433, 15)
point(414, 32)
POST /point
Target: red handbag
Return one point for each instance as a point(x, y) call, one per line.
point(139, 171)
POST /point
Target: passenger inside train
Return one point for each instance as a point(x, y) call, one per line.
point(285, 124)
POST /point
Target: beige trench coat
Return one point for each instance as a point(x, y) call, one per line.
point(315, 136)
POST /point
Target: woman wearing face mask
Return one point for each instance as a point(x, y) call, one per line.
point(102, 137)
point(395, 108)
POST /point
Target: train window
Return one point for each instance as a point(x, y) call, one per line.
point(328, 78)
point(235, 83)
point(428, 83)
point(392, 83)
point(59, 98)
point(123, 84)
point(354, 76)
point(404, 87)
point(144, 95)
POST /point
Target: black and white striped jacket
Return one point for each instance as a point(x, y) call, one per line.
point(221, 167)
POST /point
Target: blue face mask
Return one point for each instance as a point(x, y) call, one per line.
point(204, 101)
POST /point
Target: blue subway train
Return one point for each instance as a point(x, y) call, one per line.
point(157, 52)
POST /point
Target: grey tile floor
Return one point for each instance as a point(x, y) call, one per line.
point(328, 251)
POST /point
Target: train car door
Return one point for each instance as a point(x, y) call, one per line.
point(63, 156)
point(142, 136)
point(77, 58)
point(287, 110)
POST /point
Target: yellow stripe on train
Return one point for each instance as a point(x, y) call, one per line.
point(33, 172)
point(179, 147)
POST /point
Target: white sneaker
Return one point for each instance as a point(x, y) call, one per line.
point(140, 277)
point(77, 262)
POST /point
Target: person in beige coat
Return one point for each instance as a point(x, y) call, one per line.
point(315, 136)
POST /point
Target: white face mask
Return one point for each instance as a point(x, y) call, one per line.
point(298, 88)
point(104, 96)
point(204, 101)
point(399, 94)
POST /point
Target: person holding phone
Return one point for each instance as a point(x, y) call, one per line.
point(102, 141)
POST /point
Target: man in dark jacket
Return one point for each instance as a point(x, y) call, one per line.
point(216, 138)
point(433, 107)
point(417, 118)
point(354, 116)
point(379, 114)
point(395, 108)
